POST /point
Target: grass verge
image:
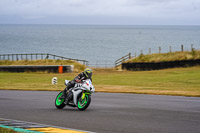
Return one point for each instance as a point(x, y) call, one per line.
point(6, 130)
point(177, 81)
point(174, 56)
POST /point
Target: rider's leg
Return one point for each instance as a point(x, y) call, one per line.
point(64, 94)
point(65, 91)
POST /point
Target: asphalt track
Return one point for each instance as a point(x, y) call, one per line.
point(108, 112)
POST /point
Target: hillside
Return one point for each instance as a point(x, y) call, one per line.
point(174, 56)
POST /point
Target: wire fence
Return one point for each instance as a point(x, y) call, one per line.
point(170, 49)
point(101, 64)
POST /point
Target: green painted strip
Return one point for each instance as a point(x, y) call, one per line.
point(19, 129)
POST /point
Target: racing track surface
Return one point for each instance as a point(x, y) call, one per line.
point(107, 113)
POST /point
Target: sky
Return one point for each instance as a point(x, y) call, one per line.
point(101, 12)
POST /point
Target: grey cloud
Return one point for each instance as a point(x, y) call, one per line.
point(143, 9)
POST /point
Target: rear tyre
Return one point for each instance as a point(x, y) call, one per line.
point(59, 103)
point(83, 104)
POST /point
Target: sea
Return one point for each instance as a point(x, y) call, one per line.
point(100, 45)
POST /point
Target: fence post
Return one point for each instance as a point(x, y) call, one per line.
point(159, 49)
point(129, 55)
point(47, 57)
point(181, 48)
point(170, 49)
point(192, 47)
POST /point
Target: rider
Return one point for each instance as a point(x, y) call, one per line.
point(86, 74)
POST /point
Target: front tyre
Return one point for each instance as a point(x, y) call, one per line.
point(83, 104)
point(59, 103)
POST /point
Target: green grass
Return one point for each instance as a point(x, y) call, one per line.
point(177, 81)
point(174, 56)
point(5, 130)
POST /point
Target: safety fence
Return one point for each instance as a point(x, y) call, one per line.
point(38, 56)
point(121, 60)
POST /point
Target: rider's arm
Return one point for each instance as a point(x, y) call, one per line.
point(79, 77)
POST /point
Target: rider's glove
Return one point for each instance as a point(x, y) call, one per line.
point(78, 81)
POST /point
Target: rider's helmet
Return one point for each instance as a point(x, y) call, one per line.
point(88, 73)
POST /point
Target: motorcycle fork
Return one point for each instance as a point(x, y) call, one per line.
point(83, 95)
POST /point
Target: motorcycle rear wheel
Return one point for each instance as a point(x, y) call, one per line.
point(83, 104)
point(59, 103)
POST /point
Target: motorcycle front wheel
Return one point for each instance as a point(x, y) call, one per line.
point(83, 104)
point(59, 103)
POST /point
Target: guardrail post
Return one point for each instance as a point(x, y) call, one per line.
point(181, 48)
point(192, 49)
point(170, 49)
point(129, 55)
point(47, 56)
point(159, 50)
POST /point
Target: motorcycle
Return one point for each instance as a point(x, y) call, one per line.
point(79, 96)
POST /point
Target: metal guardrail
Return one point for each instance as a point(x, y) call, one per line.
point(123, 59)
point(38, 56)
